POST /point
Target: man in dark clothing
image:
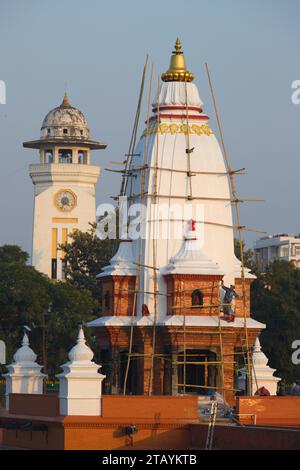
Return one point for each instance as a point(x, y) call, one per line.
point(281, 388)
point(227, 301)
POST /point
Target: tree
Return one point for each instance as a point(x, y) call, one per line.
point(248, 255)
point(69, 307)
point(85, 255)
point(13, 254)
point(25, 295)
point(275, 300)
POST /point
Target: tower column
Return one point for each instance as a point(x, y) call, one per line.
point(75, 155)
point(42, 156)
point(55, 155)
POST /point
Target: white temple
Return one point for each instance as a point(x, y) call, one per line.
point(179, 173)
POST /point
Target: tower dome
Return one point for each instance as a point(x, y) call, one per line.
point(65, 122)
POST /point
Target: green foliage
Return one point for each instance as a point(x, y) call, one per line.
point(85, 255)
point(248, 255)
point(275, 300)
point(25, 295)
point(12, 254)
point(70, 306)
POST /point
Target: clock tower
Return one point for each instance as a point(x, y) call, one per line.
point(64, 185)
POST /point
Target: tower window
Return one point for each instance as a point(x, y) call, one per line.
point(54, 268)
point(65, 131)
point(48, 156)
point(197, 297)
point(81, 132)
point(63, 268)
point(82, 157)
point(65, 156)
point(48, 131)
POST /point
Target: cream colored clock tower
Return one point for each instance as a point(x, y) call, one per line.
point(64, 185)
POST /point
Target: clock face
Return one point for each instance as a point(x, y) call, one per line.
point(65, 200)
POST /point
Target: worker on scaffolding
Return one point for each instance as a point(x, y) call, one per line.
point(228, 302)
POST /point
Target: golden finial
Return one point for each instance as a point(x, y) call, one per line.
point(66, 101)
point(177, 71)
point(177, 47)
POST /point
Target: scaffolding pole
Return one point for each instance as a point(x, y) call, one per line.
point(240, 231)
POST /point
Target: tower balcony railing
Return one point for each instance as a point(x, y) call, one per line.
point(63, 167)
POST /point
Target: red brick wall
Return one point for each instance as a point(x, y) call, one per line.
point(121, 295)
point(239, 305)
point(284, 411)
point(33, 405)
point(180, 288)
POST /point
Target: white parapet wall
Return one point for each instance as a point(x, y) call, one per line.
point(262, 374)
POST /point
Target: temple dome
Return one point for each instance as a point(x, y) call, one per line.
point(65, 122)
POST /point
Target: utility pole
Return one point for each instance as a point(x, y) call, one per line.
point(44, 338)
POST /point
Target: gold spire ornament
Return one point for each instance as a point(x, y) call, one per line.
point(66, 101)
point(177, 71)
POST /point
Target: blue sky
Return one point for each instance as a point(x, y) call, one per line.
point(98, 49)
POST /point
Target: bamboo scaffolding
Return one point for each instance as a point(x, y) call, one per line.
point(218, 224)
point(209, 333)
point(166, 356)
point(196, 307)
point(207, 363)
point(133, 291)
point(176, 170)
point(146, 266)
point(233, 227)
point(155, 193)
point(136, 167)
point(135, 128)
point(200, 198)
point(210, 387)
point(131, 170)
point(241, 240)
point(137, 278)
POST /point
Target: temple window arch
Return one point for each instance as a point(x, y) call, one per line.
point(197, 297)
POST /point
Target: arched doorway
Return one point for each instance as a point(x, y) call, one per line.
point(199, 375)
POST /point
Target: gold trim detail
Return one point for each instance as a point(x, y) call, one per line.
point(177, 71)
point(64, 220)
point(54, 243)
point(203, 129)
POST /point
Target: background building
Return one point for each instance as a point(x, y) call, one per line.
point(279, 246)
point(64, 185)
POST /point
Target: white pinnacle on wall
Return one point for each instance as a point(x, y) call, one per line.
point(80, 383)
point(262, 374)
point(24, 373)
